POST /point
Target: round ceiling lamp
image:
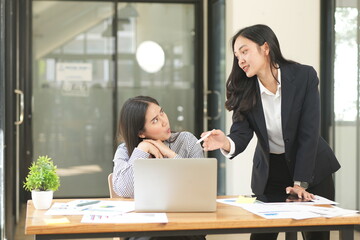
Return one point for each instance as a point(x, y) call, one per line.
point(150, 56)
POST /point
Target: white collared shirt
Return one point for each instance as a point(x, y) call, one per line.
point(272, 111)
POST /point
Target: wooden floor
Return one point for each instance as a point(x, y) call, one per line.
point(20, 233)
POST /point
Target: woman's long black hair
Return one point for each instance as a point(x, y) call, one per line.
point(241, 91)
point(132, 120)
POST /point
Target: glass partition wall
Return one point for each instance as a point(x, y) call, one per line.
point(72, 92)
point(346, 133)
point(156, 57)
point(88, 58)
point(2, 122)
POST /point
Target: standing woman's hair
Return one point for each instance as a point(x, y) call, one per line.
point(132, 120)
point(241, 91)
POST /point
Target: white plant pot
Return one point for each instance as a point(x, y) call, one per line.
point(42, 199)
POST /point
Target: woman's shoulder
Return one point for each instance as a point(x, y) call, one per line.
point(297, 73)
point(184, 135)
point(121, 152)
point(295, 67)
point(121, 148)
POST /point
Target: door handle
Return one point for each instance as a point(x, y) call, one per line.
point(219, 110)
point(21, 117)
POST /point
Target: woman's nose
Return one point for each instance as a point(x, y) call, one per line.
point(164, 122)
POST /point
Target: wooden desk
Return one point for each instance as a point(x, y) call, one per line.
point(226, 220)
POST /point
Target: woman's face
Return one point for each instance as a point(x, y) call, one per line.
point(157, 126)
point(252, 58)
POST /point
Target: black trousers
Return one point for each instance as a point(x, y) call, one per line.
point(279, 179)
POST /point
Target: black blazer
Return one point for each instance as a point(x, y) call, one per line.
point(309, 157)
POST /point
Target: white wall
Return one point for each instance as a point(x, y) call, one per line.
point(297, 26)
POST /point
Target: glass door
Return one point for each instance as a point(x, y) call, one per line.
point(72, 93)
point(347, 102)
point(156, 57)
point(2, 122)
point(88, 58)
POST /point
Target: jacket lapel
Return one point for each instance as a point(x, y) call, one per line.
point(288, 90)
point(259, 117)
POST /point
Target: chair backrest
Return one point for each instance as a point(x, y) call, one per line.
point(113, 195)
point(111, 190)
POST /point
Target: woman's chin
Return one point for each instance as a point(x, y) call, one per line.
point(249, 75)
point(168, 136)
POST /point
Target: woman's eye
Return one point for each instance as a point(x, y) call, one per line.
point(244, 52)
point(155, 120)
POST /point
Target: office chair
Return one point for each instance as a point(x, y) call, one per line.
point(111, 190)
point(113, 195)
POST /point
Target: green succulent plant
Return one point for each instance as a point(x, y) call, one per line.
point(42, 175)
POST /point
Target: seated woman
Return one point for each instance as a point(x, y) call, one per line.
point(145, 129)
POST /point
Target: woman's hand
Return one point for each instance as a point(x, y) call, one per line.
point(216, 140)
point(150, 148)
point(300, 192)
point(164, 150)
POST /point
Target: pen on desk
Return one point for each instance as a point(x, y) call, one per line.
point(270, 214)
point(204, 137)
point(87, 203)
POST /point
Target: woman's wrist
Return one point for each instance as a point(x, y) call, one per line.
point(143, 147)
point(226, 145)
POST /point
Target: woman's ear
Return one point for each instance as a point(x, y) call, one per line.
point(141, 135)
point(265, 47)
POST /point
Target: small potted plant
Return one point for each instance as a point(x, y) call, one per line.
point(42, 181)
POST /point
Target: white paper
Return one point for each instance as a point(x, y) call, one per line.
point(64, 209)
point(294, 210)
point(317, 201)
point(332, 212)
point(126, 218)
point(101, 208)
point(111, 208)
point(280, 211)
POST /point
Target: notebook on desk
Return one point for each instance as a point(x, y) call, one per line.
point(175, 185)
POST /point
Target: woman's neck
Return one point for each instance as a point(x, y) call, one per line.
point(269, 79)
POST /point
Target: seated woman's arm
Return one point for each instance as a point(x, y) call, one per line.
point(186, 147)
point(123, 175)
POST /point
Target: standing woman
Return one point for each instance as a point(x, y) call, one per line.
point(278, 99)
point(145, 130)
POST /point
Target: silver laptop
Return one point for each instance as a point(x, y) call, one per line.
point(175, 185)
